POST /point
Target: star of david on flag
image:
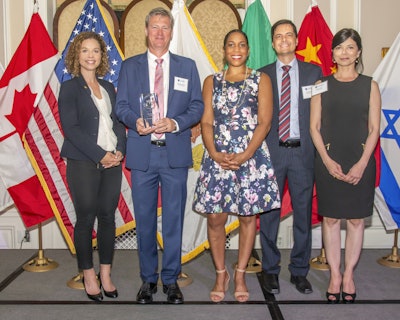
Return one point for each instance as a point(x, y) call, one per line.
point(91, 19)
point(387, 194)
point(390, 131)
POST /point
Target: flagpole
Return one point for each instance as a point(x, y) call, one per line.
point(392, 260)
point(40, 263)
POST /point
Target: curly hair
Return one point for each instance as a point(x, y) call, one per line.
point(72, 56)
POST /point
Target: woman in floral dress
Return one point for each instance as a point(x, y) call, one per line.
point(236, 175)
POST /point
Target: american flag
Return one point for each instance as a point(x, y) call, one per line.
point(92, 19)
point(44, 136)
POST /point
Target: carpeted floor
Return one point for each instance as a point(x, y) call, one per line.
point(46, 296)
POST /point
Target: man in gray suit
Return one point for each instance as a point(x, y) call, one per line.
point(292, 154)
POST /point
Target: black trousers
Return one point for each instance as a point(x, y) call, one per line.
point(95, 193)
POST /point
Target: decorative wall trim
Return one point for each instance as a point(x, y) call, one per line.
point(333, 16)
point(7, 34)
point(290, 9)
point(357, 15)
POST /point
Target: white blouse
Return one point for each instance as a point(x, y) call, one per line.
point(106, 137)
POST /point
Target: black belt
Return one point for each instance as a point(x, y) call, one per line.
point(159, 143)
point(290, 143)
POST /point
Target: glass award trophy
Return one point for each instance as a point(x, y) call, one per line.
point(149, 109)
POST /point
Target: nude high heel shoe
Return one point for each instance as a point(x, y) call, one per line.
point(218, 296)
point(241, 296)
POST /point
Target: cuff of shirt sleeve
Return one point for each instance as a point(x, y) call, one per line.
point(176, 126)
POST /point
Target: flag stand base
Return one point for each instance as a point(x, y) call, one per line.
point(320, 262)
point(253, 266)
point(392, 260)
point(76, 282)
point(40, 263)
point(183, 280)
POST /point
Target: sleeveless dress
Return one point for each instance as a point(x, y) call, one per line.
point(252, 188)
point(344, 129)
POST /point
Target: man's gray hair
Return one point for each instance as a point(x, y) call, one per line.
point(159, 12)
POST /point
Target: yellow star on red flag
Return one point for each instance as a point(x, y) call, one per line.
point(315, 40)
point(310, 52)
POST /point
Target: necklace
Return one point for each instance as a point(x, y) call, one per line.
point(244, 86)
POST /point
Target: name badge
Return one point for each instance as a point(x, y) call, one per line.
point(320, 88)
point(307, 91)
point(181, 84)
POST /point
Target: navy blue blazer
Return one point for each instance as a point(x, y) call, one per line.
point(80, 121)
point(308, 75)
point(185, 106)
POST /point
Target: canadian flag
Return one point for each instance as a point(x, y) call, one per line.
point(21, 88)
point(5, 199)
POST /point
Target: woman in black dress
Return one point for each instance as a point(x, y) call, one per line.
point(345, 123)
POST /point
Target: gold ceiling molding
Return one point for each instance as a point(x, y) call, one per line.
point(120, 5)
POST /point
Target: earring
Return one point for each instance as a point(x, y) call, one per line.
point(357, 61)
point(333, 60)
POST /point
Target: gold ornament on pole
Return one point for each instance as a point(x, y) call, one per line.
point(392, 260)
point(40, 263)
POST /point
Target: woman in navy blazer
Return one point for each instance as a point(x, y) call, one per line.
point(94, 145)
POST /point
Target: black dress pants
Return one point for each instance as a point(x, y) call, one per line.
point(95, 193)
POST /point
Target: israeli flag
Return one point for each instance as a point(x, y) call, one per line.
point(387, 194)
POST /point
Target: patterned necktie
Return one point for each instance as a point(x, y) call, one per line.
point(159, 90)
point(284, 108)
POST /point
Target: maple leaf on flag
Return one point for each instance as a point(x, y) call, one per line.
point(21, 88)
point(22, 110)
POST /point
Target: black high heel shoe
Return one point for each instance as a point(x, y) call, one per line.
point(110, 294)
point(98, 297)
point(346, 296)
point(334, 295)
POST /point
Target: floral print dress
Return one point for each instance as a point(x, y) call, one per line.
point(252, 188)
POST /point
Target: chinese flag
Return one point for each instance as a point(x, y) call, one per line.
point(315, 40)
